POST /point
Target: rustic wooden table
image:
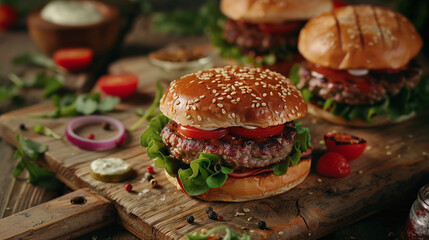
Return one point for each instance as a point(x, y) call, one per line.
point(17, 195)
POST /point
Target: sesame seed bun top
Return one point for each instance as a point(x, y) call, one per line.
point(359, 37)
point(233, 96)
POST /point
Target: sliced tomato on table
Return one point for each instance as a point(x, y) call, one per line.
point(119, 85)
point(258, 132)
point(192, 132)
point(338, 4)
point(348, 145)
point(73, 59)
point(8, 16)
point(279, 28)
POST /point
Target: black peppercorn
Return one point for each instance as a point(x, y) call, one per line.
point(106, 126)
point(212, 215)
point(262, 225)
point(190, 219)
point(22, 127)
point(209, 209)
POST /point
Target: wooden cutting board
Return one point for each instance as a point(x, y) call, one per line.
point(395, 163)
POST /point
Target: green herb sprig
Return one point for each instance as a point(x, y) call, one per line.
point(40, 129)
point(152, 111)
point(229, 234)
point(70, 105)
point(35, 59)
point(28, 152)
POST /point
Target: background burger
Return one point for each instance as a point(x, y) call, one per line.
point(360, 69)
point(264, 32)
point(228, 134)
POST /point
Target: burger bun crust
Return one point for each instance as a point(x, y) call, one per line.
point(262, 11)
point(359, 37)
point(255, 187)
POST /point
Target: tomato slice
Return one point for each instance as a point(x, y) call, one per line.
point(8, 16)
point(258, 132)
point(73, 59)
point(192, 132)
point(339, 3)
point(119, 85)
point(342, 77)
point(279, 28)
point(349, 146)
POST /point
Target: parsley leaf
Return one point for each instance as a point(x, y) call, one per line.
point(229, 234)
point(35, 59)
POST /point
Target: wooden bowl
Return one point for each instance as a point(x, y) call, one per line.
point(100, 36)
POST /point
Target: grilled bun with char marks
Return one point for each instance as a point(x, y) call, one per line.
point(360, 37)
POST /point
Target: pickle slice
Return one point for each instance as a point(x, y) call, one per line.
point(111, 169)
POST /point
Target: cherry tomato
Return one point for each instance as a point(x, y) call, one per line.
point(258, 132)
point(73, 59)
point(197, 133)
point(8, 16)
point(119, 85)
point(349, 146)
point(338, 4)
point(333, 164)
point(279, 28)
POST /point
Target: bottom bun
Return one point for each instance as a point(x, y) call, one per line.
point(377, 120)
point(255, 187)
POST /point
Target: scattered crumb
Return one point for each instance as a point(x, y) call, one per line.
point(334, 131)
point(321, 142)
point(250, 218)
point(142, 180)
point(313, 121)
point(387, 147)
point(246, 210)
point(309, 234)
point(8, 209)
point(145, 190)
point(424, 153)
point(319, 180)
point(410, 135)
point(251, 231)
point(153, 164)
point(162, 198)
point(310, 193)
point(352, 238)
point(389, 153)
point(238, 214)
point(360, 172)
point(281, 233)
point(140, 194)
point(368, 147)
point(399, 155)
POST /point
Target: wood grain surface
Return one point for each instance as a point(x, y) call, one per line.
point(395, 162)
point(68, 216)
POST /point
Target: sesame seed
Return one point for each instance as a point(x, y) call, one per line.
point(263, 104)
point(194, 107)
point(264, 94)
point(187, 107)
point(223, 111)
point(202, 96)
point(238, 99)
point(199, 118)
point(188, 117)
point(196, 100)
point(217, 94)
point(220, 105)
point(213, 100)
point(220, 98)
point(253, 105)
point(289, 115)
point(262, 111)
point(229, 96)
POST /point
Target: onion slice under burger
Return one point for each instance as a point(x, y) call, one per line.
point(90, 144)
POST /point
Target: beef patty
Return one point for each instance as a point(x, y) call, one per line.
point(368, 89)
point(248, 36)
point(237, 153)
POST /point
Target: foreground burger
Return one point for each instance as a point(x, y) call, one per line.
point(229, 134)
point(264, 32)
point(360, 69)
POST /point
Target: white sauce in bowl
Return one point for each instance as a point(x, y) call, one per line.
point(72, 13)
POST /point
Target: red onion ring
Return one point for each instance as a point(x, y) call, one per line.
point(95, 144)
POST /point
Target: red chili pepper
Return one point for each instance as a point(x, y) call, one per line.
point(149, 169)
point(128, 187)
point(91, 136)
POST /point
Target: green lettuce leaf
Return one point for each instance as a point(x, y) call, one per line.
point(228, 50)
point(205, 172)
point(404, 103)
